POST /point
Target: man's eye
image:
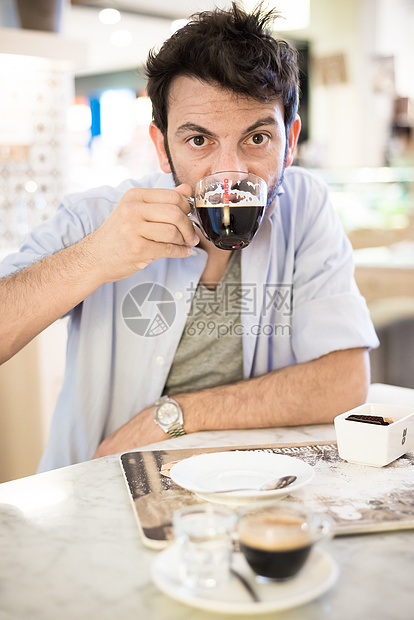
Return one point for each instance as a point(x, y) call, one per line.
point(258, 139)
point(198, 141)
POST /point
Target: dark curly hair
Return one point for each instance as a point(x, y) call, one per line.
point(230, 48)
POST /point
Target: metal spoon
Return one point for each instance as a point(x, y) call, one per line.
point(249, 588)
point(272, 485)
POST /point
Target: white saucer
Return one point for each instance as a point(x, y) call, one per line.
point(205, 473)
point(318, 575)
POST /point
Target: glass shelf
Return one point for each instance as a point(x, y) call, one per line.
point(371, 198)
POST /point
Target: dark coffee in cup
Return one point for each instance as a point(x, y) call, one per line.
point(230, 227)
point(275, 547)
point(229, 208)
point(275, 562)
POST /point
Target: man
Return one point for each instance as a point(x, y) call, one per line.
point(224, 95)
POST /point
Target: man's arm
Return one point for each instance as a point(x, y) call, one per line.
point(309, 393)
point(147, 224)
point(34, 298)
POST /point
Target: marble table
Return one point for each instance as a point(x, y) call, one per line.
point(70, 547)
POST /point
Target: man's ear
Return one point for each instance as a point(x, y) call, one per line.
point(158, 141)
point(293, 136)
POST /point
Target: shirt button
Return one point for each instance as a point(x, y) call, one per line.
point(159, 360)
point(178, 295)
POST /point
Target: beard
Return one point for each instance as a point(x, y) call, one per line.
point(272, 190)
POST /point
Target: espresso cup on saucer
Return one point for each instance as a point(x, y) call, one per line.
point(276, 540)
point(228, 207)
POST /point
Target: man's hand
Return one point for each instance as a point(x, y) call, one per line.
point(146, 225)
point(142, 430)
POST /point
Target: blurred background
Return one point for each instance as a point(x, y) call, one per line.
point(74, 115)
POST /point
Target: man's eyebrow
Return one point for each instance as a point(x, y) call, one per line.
point(267, 120)
point(193, 127)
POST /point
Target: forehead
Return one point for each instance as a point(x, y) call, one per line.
point(191, 100)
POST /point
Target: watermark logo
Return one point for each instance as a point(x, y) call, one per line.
point(234, 299)
point(148, 310)
point(277, 297)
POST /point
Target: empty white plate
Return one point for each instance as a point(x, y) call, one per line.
point(205, 474)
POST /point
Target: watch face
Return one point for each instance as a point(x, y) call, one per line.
point(168, 413)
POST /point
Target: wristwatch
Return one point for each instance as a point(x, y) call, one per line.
point(168, 415)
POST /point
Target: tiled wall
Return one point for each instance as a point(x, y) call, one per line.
point(35, 95)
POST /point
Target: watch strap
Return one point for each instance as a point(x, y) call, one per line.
point(176, 430)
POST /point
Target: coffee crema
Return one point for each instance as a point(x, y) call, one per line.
point(280, 541)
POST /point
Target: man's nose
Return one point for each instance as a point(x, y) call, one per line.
point(229, 160)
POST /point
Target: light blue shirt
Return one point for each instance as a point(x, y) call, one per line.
point(299, 301)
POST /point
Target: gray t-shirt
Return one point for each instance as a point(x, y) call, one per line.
point(210, 352)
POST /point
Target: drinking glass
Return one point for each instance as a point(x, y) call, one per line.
point(203, 536)
point(276, 540)
point(228, 207)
